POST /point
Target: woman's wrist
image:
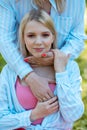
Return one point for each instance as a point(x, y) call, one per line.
point(27, 76)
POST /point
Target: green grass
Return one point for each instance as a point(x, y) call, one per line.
point(2, 62)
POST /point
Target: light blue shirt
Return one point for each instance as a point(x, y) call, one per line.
point(69, 26)
point(68, 90)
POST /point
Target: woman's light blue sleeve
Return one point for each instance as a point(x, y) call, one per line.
point(10, 119)
point(74, 43)
point(69, 93)
point(8, 42)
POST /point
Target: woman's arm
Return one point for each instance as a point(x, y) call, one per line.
point(8, 39)
point(74, 43)
point(9, 50)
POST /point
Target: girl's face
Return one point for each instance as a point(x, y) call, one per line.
point(38, 38)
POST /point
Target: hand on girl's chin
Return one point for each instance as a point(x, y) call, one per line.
point(27, 59)
point(43, 55)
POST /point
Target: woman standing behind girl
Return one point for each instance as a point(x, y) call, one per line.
point(19, 108)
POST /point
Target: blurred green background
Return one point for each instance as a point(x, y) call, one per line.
point(81, 124)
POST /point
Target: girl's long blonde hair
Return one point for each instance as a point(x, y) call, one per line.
point(39, 16)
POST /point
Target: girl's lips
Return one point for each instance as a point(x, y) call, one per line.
point(38, 49)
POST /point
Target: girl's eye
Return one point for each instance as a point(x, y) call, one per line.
point(31, 35)
point(45, 35)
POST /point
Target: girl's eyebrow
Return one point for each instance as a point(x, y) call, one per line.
point(35, 32)
point(46, 32)
point(30, 33)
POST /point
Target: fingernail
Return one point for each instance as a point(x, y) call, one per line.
point(26, 59)
point(44, 55)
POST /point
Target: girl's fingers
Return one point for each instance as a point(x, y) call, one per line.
point(50, 101)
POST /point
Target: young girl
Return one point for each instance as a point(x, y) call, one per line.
point(19, 108)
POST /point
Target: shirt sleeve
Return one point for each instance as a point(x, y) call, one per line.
point(10, 118)
point(69, 93)
point(8, 39)
point(74, 43)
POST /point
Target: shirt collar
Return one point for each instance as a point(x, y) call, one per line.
point(53, 4)
point(51, 1)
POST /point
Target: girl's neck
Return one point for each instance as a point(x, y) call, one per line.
point(46, 71)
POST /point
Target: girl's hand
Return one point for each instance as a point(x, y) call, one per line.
point(60, 60)
point(46, 59)
point(43, 109)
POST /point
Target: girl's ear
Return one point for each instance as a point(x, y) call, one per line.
point(54, 42)
point(53, 38)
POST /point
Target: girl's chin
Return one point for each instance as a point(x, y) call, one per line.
point(37, 56)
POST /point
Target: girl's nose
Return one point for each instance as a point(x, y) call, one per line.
point(38, 40)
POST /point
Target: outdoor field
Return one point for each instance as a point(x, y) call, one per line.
point(81, 124)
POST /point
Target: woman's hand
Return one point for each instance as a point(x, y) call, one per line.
point(45, 60)
point(39, 86)
point(43, 109)
point(60, 60)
